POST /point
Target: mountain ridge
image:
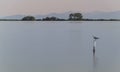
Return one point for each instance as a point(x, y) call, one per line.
point(65, 15)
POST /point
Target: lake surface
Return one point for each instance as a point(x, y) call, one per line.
point(59, 46)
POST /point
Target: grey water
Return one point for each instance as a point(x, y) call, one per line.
point(33, 46)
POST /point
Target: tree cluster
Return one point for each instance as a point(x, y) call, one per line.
point(28, 18)
point(50, 19)
point(72, 16)
point(75, 16)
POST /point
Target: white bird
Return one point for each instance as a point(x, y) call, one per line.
point(96, 37)
point(94, 43)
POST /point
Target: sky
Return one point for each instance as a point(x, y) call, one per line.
point(13, 7)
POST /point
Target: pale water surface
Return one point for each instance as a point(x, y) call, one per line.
point(59, 46)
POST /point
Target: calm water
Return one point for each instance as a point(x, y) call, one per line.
point(59, 46)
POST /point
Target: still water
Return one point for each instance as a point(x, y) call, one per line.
point(59, 46)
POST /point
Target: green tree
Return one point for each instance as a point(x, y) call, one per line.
point(75, 16)
point(50, 18)
point(78, 16)
point(71, 16)
point(28, 18)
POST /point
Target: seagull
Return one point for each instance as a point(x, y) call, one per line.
point(94, 44)
point(95, 37)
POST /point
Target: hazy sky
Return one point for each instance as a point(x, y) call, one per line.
point(11, 7)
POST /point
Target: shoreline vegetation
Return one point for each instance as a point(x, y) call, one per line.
point(72, 17)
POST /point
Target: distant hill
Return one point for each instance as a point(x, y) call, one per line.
point(59, 15)
point(91, 15)
point(13, 17)
point(102, 15)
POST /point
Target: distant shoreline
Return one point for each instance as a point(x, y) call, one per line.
point(63, 20)
point(71, 17)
